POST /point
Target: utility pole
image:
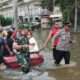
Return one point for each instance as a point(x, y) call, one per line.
point(15, 5)
point(75, 22)
point(53, 4)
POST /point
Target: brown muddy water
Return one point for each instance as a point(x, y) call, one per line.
point(72, 73)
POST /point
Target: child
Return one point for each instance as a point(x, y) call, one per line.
point(33, 46)
point(35, 58)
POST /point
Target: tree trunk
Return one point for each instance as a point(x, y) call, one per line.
point(15, 13)
point(75, 22)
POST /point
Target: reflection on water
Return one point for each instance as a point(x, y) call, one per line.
point(41, 36)
point(66, 73)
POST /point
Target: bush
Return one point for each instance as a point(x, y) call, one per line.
point(5, 21)
point(26, 26)
point(8, 21)
point(2, 20)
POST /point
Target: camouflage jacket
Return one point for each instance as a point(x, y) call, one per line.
point(23, 41)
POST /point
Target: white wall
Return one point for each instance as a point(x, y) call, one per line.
point(23, 10)
point(7, 13)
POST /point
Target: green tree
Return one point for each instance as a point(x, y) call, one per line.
point(66, 7)
point(8, 21)
point(47, 4)
point(2, 20)
point(5, 21)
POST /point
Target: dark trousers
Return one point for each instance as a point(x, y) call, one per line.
point(54, 53)
point(1, 57)
point(59, 55)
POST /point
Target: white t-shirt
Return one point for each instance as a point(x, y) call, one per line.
point(33, 48)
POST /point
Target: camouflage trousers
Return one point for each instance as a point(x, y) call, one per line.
point(23, 58)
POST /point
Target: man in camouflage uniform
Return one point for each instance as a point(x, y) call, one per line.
point(23, 55)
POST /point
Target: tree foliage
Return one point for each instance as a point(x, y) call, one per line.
point(66, 7)
point(5, 21)
point(47, 4)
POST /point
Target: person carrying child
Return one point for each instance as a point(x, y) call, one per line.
point(21, 49)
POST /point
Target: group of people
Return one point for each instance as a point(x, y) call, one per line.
point(18, 42)
point(61, 42)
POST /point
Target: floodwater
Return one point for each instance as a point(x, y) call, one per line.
point(72, 73)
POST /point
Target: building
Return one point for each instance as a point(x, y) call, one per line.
point(57, 14)
point(25, 8)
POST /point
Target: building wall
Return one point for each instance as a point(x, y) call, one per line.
point(24, 9)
